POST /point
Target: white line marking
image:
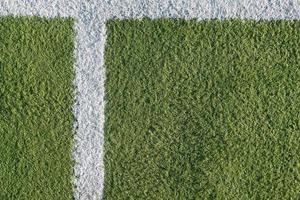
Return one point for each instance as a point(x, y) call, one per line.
point(91, 16)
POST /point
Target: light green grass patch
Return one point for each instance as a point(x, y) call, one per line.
point(36, 75)
point(202, 110)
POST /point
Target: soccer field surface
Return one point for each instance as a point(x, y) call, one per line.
point(36, 97)
point(202, 110)
point(161, 100)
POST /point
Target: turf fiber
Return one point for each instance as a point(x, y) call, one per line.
point(202, 110)
point(36, 75)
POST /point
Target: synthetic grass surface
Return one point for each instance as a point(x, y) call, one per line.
point(36, 75)
point(202, 110)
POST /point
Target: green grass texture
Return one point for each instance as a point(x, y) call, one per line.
point(202, 110)
point(36, 97)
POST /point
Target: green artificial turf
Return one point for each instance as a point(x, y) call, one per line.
point(36, 75)
point(202, 110)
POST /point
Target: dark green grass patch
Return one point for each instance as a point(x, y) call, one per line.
point(36, 74)
point(202, 110)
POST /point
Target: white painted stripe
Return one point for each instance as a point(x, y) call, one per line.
point(91, 16)
point(89, 110)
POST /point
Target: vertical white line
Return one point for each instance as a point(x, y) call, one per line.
point(89, 107)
